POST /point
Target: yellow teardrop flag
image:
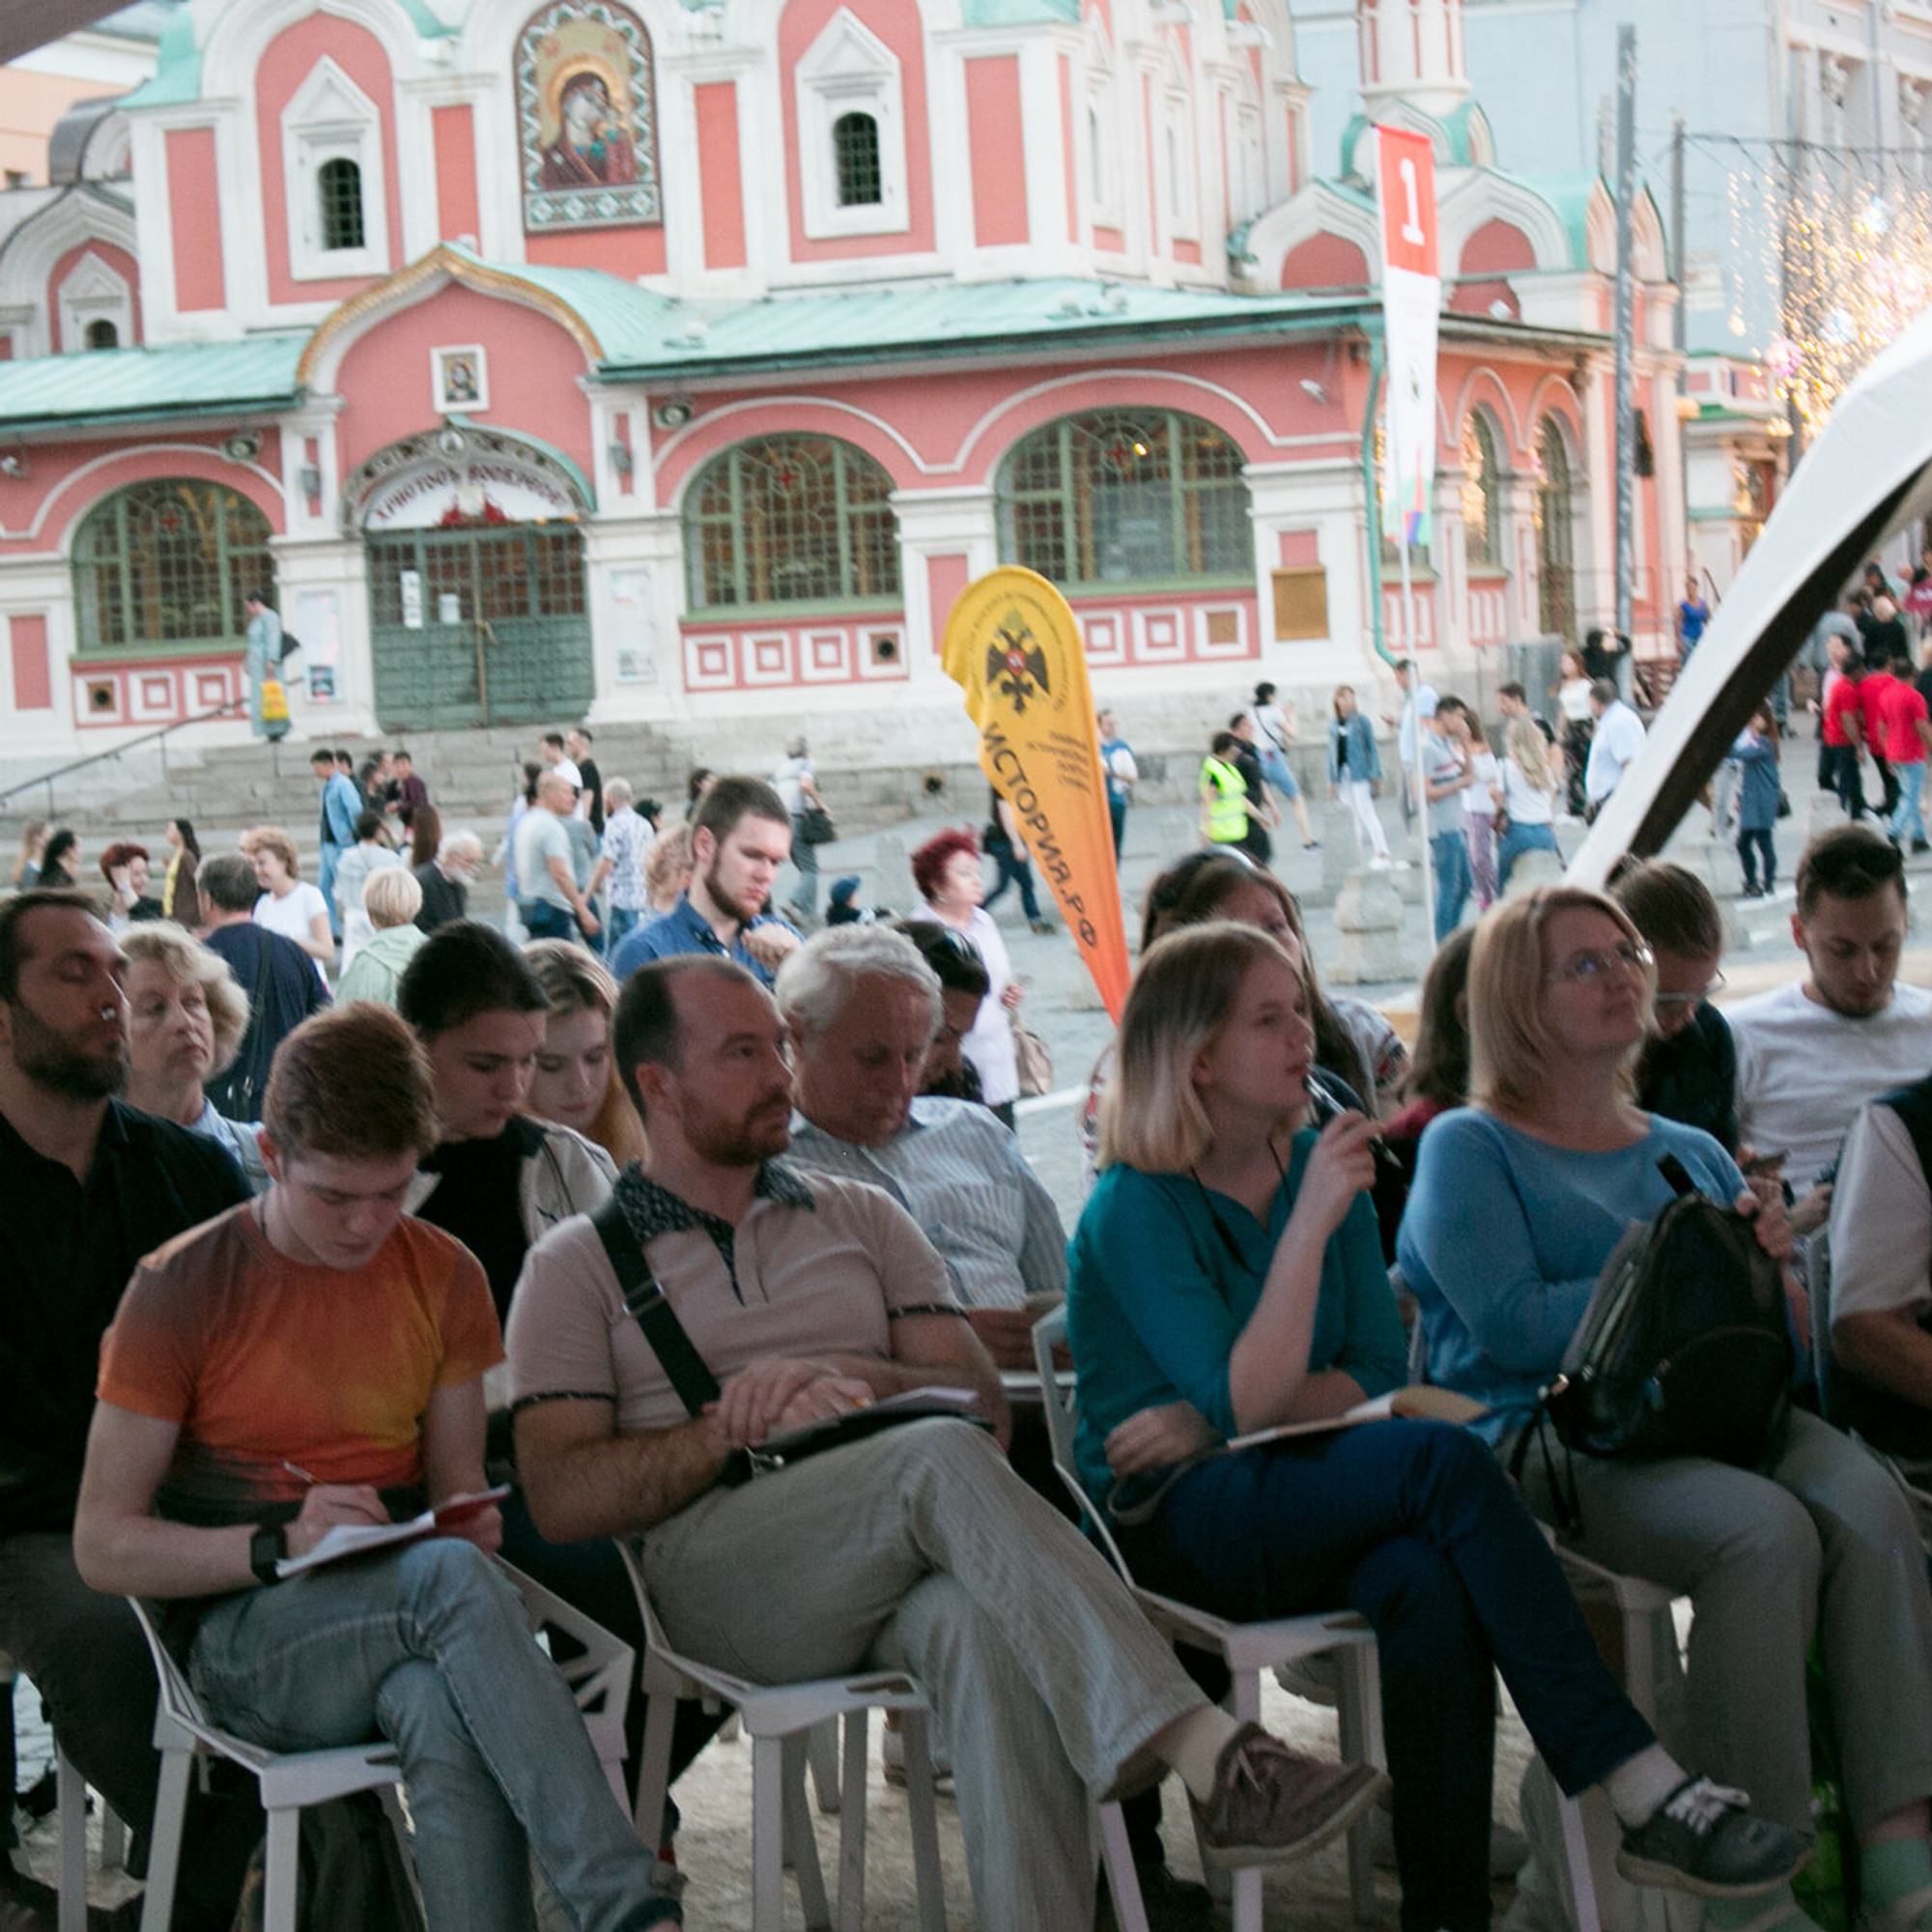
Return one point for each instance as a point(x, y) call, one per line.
point(1012, 646)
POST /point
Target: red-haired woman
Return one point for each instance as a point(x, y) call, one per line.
point(946, 869)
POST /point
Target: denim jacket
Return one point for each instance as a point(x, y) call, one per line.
point(1364, 760)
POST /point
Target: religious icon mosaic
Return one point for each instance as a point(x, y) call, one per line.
point(586, 119)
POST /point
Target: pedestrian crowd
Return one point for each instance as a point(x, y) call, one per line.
point(561, 1236)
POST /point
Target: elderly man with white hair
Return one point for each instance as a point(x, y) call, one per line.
point(622, 855)
point(445, 880)
point(862, 1008)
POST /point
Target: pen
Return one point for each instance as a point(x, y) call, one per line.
point(296, 1470)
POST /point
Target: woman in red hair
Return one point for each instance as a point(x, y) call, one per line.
point(946, 869)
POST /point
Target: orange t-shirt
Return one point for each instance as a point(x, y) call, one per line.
point(263, 1362)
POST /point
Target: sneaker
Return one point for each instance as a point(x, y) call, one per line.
point(1702, 1839)
point(1379, 865)
point(1042, 926)
point(1270, 1805)
point(1311, 844)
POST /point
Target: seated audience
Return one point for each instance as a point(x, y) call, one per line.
point(1811, 1053)
point(1225, 1277)
point(1880, 1382)
point(276, 975)
point(576, 1080)
point(1687, 1070)
point(963, 986)
point(1519, 1200)
point(243, 1414)
point(740, 839)
point(915, 1548)
point(861, 1010)
point(391, 898)
point(88, 1185)
point(186, 1019)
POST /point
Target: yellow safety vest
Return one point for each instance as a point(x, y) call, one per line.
point(1227, 815)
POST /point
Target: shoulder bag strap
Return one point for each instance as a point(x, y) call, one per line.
point(694, 1384)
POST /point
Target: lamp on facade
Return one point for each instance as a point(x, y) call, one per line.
point(620, 457)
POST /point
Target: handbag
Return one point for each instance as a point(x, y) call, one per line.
point(1685, 1348)
point(1036, 1062)
point(815, 827)
point(274, 702)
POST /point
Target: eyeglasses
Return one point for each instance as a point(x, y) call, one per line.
point(1708, 991)
point(1591, 967)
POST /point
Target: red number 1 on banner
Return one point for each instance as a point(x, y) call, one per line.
point(1407, 170)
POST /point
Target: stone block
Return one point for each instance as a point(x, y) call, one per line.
point(1369, 948)
point(1534, 869)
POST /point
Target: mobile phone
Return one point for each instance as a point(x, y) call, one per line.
point(1766, 1162)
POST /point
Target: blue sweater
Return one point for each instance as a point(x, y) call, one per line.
point(1156, 1300)
point(1504, 1237)
point(1758, 800)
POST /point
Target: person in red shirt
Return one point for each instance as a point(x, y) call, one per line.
point(1908, 737)
point(1874, 688)
point(1843, 733)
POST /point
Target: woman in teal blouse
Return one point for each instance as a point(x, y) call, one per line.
point(1226, 1277)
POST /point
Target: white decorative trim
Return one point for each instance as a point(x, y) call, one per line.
point(329, 118)
point(93, 292)
point(849, 69)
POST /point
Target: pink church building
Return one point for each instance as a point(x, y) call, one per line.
point(682, 359)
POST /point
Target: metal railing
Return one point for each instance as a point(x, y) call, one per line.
point(234, 707)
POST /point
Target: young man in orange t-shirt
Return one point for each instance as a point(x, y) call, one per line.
point(315, 1358)
point(1841, 731)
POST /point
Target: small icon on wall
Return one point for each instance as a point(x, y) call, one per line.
point(460, 378)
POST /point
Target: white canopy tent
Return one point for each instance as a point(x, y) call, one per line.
point(1868, 475)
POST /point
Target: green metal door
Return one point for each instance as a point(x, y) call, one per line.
point(481, 625)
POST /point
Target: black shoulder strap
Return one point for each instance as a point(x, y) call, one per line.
point(694, 1384)
point(1673, 1171)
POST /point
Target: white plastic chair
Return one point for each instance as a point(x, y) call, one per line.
point(780, 1719)
point(596, 1666)
point(1248, 1649)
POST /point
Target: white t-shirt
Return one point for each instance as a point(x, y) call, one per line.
point(1617, 740)
point(1524, 804)
point(1804, 1070)
point(789, 781)
point(989, 1042)
point(1880, 1222)
point(1271, 725)
point(1476, 800)
point(1574, 697)
point(293, 915)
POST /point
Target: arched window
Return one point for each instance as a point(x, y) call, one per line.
point(1556, 534)
point(791, 519)
point(102, 335)
point(1482, 494)
point(339, 185)
point(1127, 496)
point(168, 565)
point(855, 153)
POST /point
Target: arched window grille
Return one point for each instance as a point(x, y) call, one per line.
point(855, 152)
point(791, 519)
point(338, 182)
point(1127, 496)
point(1481, 494)
point(1556, 534)
point(168, 564)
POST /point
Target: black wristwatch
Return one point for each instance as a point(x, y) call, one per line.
point(267, 1547)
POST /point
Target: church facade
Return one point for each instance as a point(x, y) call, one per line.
point(684, 361)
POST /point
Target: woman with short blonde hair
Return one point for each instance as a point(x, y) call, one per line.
point(1226, 1278)
point(391, 897)
point(186, 1019)
point(576, 1083)
point(1518, 1204)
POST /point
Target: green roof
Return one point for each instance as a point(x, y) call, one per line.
point(176, 75)
point(99, 385)
point(1018, 12)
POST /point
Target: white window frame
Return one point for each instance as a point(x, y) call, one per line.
point(1105, 162)
point(95, 291)
point(329, 118)
point(849, 69)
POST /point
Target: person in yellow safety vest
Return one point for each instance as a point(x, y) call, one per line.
point(1227, 811)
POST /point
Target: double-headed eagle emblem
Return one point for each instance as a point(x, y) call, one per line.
point(1017, 666)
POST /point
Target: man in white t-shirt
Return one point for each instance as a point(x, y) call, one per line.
point(1616, 741)
point(1812, 1053)
point(1418, 702)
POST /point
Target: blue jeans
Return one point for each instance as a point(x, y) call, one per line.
point(1911, 794)
point(1276, 769)
point(429, 1648)
point(1758, 858)
point(618, 924)
point(1413, 1526)
point(1449, 852)
point(544, 921)
point(1117, 817)
point(1519, 839)
point(1016, 870)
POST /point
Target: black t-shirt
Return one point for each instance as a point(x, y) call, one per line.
point(593, 786)
point(283, 988)
point(1693, 1077)
point(444, 899)
point(67, 1249)
point(478, 1198)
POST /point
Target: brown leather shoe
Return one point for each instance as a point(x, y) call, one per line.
point(1270, 1805)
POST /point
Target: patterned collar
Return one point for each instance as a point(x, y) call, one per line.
point(651, 1209)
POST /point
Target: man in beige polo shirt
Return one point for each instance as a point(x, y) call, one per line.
point(916, 1549)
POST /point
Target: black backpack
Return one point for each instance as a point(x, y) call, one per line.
point(1685, 1348)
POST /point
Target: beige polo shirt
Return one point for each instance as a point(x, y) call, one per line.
point(813, 1268)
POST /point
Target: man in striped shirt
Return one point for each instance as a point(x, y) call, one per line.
point(859, 1003)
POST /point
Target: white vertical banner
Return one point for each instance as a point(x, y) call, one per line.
point(1411, 301)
